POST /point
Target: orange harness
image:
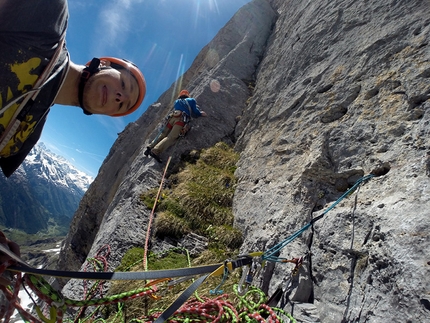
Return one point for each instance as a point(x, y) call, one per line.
point(177, 114)
point(179, 123)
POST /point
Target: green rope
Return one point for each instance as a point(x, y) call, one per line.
point(252, 301)
point(281, 311)
point(119, 312)
point(117, 298)
point(43, 287)
point(246, 301)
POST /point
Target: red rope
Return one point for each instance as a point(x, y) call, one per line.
point(272, 318)
point(102, 255)
point(210, 310)
point(16, 305)
point(12, 297)
point(151, 216)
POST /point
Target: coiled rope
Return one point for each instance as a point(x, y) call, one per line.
point(151, 216)
point(250, 308)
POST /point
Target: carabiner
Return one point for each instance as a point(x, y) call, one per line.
point(242, 287)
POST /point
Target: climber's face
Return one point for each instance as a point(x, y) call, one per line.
point(110, 91)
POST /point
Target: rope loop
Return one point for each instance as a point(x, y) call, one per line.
point(52, 315)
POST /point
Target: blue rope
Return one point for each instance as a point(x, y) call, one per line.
point(269, 254)
point(365, 178)
point(218, 290)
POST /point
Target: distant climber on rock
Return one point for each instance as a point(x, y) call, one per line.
point(177, 124)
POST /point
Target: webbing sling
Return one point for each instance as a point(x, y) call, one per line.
point(230, 265)
point(181, 299)
point(189, 108)
point(154, 274)
point(209, 270)
point(146, 275)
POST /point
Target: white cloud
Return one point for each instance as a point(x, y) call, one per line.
point(115, 22)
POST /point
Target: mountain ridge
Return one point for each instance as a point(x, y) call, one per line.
point(47, 186)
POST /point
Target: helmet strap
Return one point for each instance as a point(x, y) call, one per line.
point(85, 75)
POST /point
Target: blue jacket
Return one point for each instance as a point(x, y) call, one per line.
point(181, 105)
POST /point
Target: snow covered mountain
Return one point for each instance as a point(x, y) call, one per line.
point(45, 191)
point(56, 169)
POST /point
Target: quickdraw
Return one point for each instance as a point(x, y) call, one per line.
point(248, 274)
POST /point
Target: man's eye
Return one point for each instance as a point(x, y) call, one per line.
point(120, 106)
point(123, 85)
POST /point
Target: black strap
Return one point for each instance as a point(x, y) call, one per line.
point(86, 74)
point(242, 261)
point(189, 109)
point(316, 219)
point(275, 298)
point(181, 299)
point(144, 275)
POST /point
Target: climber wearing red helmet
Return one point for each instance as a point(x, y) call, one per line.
point(36, 73)
point(177, 124)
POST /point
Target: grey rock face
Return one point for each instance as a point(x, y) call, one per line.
point(111, 212)
point(343, 91)
point(328, 92)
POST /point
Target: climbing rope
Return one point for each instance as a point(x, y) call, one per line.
point(58, 304)
point(250, 308)
point(98, 263)
point(270, 254)
point(11, 295)
point(151, 216)
point(219, 309)
point(252, 269)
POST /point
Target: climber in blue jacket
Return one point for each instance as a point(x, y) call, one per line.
point(177, 124)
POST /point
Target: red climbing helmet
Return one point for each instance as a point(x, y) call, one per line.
point(184, 93)
point(134, 70)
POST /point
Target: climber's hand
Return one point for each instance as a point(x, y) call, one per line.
point(12, 246)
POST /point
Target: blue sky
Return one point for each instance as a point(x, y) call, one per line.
point(162, 37)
